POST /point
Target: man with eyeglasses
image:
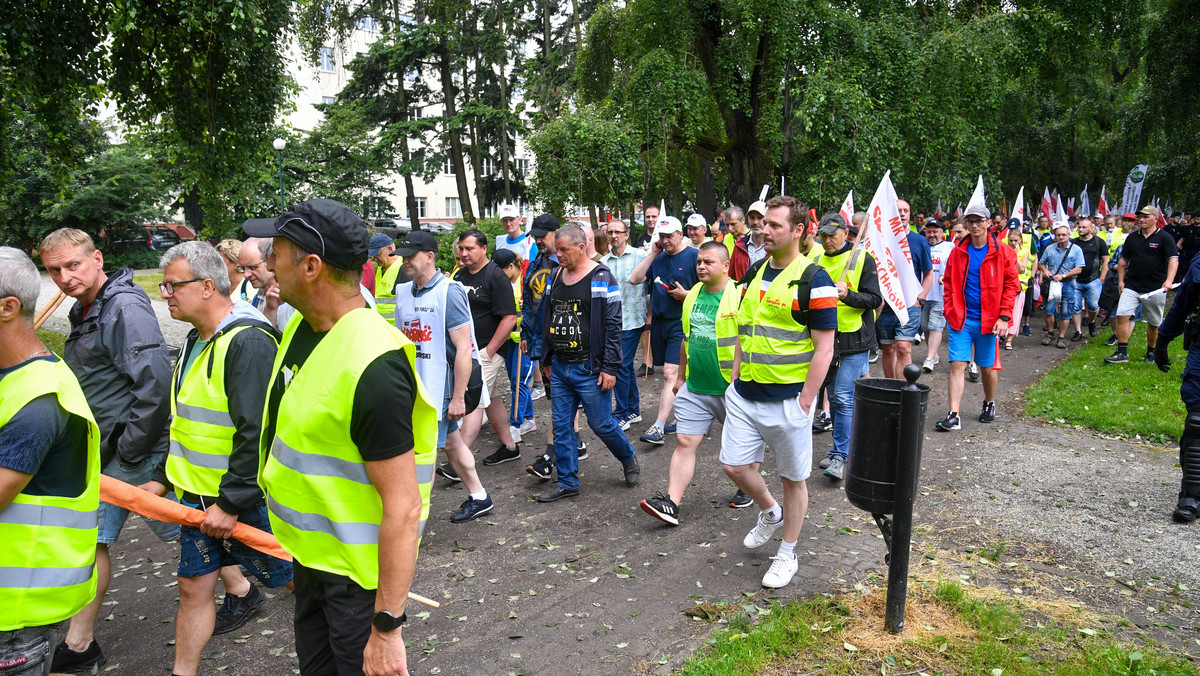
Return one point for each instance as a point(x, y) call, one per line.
point(347, 446)
point(671, 270)
point(622, 259)
point(253, 258)
point(218, 392)
point(1145, 273)
point(116, 350)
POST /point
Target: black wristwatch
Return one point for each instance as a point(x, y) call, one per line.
point(1006, 318)
point(384, 621)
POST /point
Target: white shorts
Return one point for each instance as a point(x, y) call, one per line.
point(495, 375)
point(695, 413)
point(782, 425)
point(1152, 307)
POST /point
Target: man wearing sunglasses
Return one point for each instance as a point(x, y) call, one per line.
point(348, 445)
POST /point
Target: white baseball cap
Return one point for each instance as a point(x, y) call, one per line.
point(508, 211)
point(759, 206)
point(697, 221)
point(667, 225)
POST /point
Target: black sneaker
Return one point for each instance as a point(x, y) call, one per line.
point(504, 454)
point(740, 500)
point(472, 508)
point(1076, 337)
point(1111, 340)
point(633, 472)
point(988, 414)
point(822, 423)
point(445, 471)
point(951, 422)
point(972, 372)
point(236, 611)
point(582, 450)
point(1149, 358)
point(541, 468)
point(663, 507)
point(1092, 330)
point(645, 371)
point(1118, 357)
point(68, 661)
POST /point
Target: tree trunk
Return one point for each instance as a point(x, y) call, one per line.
point(410, 200)
point(706, 196)
point(504, 123)
point(192, 215)
point(449, 94)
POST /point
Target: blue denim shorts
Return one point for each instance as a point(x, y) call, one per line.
point(666, 337)
point(201, 554)
point(112, 519)
point(888, 328)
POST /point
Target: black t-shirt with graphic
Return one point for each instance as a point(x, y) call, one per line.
point(570, 319)
point(490, 295)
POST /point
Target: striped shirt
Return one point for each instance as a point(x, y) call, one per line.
point(633, 296)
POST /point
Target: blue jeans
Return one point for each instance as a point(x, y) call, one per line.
point(572, 384)
point(511, 362)
point(841, 399)
point(626, 390)
point(111, 519)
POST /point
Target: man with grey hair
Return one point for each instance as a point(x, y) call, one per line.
point(116, 350)
point(217, 396)
point(49, 482)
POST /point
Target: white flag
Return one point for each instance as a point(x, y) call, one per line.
point(1085, 203)
point(977, 196)
point(1133, 188)
point(1017, 219)
point(886, 238)
point(847, 210)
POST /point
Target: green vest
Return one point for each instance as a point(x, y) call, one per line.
point(201, 427)
point(323, 507)
point(775, 349)
point(49, 553)
point(727, 329)
point(385, 290)
point(849, 318)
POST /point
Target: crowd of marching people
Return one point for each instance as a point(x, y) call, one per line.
point(280, 412)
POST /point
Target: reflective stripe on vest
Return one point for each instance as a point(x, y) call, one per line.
point(202, 430)
point(775, 349)
point(849, 318)
point(47, 571)
point(385, 289)
point(726, 325)
point(323, 507)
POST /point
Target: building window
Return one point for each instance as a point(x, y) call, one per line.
point(523, 167)
point(326, 60)
point(414, 113)
point(453, 210)
point(448, 167)
point(327, 100)
point(489, 166)
point(367, 23)
point(420, 208)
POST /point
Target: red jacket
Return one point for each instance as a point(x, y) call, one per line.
point(997, 281)
point(739, 260)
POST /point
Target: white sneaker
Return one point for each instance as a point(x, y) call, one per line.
point(762, 531)
point(918, 339)
point(928, 365)
point(528, 426)
point(516, 434)
point(781, 572)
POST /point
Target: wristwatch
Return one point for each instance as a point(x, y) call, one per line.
point(1006, 318)
point(384, 621)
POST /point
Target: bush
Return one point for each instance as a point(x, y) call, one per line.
point(138, 260)
point(445, 257)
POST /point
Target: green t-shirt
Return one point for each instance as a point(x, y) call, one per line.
point(704, 369)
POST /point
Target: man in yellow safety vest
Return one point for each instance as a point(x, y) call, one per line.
point(347, 448)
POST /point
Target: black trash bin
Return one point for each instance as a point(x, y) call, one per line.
point(875, 443)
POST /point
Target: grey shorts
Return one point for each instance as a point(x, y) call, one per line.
point(30, 651)
point(750, 426)
point(695, 413)
point(1152, 307)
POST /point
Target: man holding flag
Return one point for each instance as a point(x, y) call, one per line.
point(896, 333)
point(980, 289)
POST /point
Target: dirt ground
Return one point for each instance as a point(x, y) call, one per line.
point(592, 585)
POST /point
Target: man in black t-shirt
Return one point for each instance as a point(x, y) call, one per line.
point(494, 313)
point(1149, 261)
point(1090, 281)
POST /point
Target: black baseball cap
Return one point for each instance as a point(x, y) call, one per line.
point(831, 223)
point(504, 258)
point(323, 227)
point(416, 241)
point(544, 224)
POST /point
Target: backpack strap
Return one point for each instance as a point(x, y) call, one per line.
point(805, 284)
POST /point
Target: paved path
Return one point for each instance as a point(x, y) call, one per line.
point(592, 585)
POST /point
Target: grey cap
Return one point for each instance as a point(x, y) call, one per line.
point(977, 210)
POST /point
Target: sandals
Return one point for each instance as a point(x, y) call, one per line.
point(1048, 339)
point(1061, 344)
point(1008, 345)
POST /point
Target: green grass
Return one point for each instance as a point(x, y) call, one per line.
point(149, 284)
point(951, 629)
point(1123, 399)
point(52, 340)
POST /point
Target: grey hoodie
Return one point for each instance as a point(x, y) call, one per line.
point(124, 367)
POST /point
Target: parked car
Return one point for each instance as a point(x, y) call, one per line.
point(147, 238)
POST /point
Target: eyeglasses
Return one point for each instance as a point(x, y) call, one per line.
point(243, 268)
point(168, 288)
point(618, 232)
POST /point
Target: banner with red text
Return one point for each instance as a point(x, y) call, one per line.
point(885, 237)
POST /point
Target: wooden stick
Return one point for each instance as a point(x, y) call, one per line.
point(48, 309)
point(413, 596)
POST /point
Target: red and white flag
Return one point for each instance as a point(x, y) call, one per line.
point(1102, 207)
point(939, 213)
point(958, 211)
point(847, 210)
point(1047, 205)
point(885, 237)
